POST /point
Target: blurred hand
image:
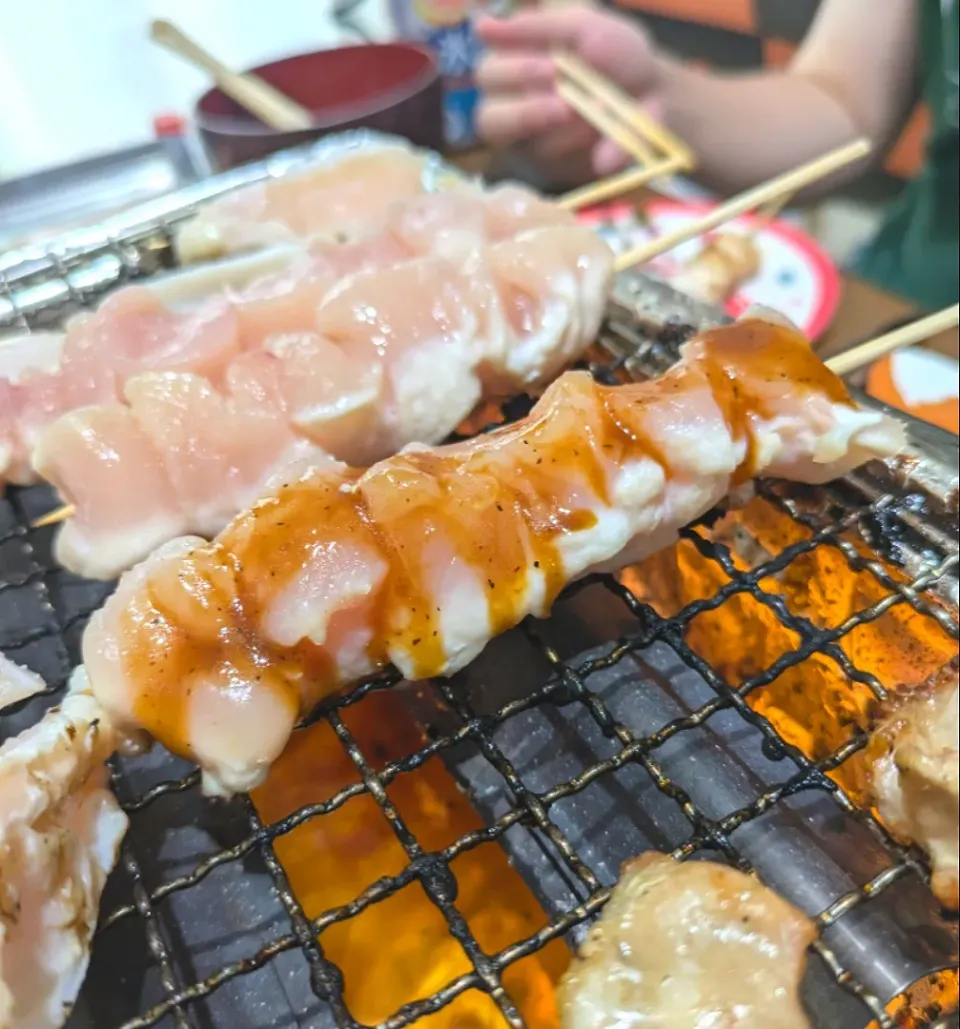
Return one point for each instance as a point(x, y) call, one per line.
point(520, 106)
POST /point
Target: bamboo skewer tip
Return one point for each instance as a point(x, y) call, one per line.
point(906, 336)
point(60, 514)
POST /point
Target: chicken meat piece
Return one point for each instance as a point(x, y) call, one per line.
point(456, 220)
point(131, 332)
point(915, 773)
point(449, 225)
point(216, 649)
point(341, 196)
point(17, 683)
point(727, 261)
point(60, 833)
point(177, 457)
point(689, 945)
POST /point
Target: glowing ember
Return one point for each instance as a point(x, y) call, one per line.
point(812, 703)
point(400, 949)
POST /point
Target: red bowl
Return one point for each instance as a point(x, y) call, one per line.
point(392, 87)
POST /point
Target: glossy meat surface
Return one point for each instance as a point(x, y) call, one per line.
point(396, 355)
point(689, 945)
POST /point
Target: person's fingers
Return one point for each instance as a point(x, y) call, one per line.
point(608, 158)
point(504, 121)
point(543, 29)
point(562, 142)
point(507, 72)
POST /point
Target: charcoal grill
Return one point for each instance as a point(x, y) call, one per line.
point(580, 741)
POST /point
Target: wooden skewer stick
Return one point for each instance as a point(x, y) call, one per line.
point(630, 112)
point(905, 336)
point(842, 364)
point(766, 214)
point(258, 97)
point(616, 185)
point(58, 514)
point(788, 183)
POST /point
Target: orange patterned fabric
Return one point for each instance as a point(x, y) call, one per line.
point(735, 15)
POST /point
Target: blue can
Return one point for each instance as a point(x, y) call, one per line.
point(446, 27)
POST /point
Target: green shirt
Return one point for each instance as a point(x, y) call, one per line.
point(915, 253)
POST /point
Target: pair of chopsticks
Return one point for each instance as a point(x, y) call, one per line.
point(614, 114)
point(657, 151)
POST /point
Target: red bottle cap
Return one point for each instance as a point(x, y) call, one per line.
point(167, 125)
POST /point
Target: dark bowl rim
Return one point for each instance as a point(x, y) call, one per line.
point(248, 127)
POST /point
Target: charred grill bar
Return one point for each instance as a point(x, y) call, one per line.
point(579, 741)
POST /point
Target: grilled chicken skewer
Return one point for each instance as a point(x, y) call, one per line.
point(218, 649)
point(689, 944)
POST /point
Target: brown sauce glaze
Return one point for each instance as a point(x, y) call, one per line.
point(493, 508)
point(751, 365)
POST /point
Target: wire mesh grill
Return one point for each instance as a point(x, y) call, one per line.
point(154, 909)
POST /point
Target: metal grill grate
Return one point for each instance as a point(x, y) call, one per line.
point(555, 721)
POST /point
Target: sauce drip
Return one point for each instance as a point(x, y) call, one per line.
point(493, 510)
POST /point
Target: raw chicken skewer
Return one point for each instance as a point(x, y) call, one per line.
point(60, 832)
point(399, 355)
point(690, 943)
point(344, 194)
point(134, 331)
point(218, 649)
point(915, 772)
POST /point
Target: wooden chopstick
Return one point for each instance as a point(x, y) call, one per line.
point(626, 109)
point(607, 124)
point(58, 514)
point(616, 116)
point(262, 100)
point(905, 336)
point(783, 185)
point(616, 185)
